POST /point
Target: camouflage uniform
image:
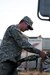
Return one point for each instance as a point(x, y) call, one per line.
point(11, 47)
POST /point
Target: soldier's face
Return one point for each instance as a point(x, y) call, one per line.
point(24, 27)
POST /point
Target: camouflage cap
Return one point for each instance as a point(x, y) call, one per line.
point(28, 21)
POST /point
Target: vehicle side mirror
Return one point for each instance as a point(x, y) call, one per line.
point(43, 9)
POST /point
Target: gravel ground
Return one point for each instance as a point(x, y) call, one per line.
point(33, 73)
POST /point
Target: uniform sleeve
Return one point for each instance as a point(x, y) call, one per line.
point(16, 34)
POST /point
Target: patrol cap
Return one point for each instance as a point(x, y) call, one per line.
point(28, 21)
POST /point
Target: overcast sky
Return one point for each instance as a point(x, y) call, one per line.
point(12, 11)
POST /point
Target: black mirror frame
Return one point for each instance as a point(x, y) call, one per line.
point(38, 12)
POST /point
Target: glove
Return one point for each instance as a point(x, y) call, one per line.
point(43, 55)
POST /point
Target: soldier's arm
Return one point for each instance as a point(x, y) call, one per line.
point(22, 43)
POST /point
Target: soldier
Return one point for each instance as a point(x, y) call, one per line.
point(12, 44)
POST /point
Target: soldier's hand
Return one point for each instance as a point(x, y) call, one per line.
point(43, 55)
